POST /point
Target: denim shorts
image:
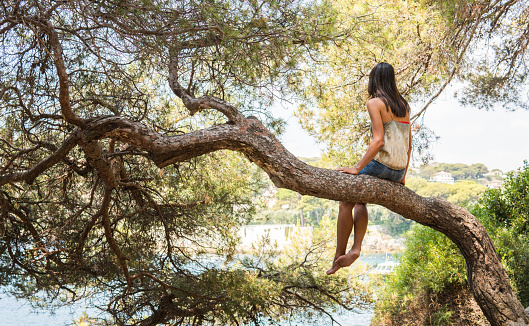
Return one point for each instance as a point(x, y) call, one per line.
point(381, 171)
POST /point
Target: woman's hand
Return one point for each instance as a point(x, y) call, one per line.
point(348, 170)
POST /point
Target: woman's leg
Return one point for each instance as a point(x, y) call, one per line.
point(360, 221)
point(344, 227)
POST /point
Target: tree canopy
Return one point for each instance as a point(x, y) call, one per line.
point(111, 186)
point(481, 45)
point(92, 216)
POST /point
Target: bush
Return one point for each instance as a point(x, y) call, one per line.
point(432, 268)
point(505, 215)
point(430, 265)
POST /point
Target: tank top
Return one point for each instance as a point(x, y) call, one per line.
point(394, 152)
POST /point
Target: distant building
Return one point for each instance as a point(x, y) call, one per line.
point(494, 173)
point(278, 234)
point(495, 184)
point(443, 177)
point(269, 196)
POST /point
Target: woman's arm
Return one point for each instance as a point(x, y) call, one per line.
point(374, 107)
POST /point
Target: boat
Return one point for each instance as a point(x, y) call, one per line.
point(384, 268)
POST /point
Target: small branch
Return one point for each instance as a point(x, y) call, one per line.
point(80, 245)
point(30, 175)
point(452, 73)
point(122, 259)
point(166, 285)
point(6, 206)
point(56, 47)
point(195, 105)
point(313, 305)
point(64, 92)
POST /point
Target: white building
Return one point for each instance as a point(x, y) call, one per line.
point(277, 234)
point(443, 177)
point(495, 184)
point(494, 173)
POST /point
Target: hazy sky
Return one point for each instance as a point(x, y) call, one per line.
point(498, 139)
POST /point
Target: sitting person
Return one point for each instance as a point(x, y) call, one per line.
point(387, 157)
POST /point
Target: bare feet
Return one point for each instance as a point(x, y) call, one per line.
point(335, 267)
point(343, 261)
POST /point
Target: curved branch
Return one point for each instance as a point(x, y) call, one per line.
point(64, 91)
point(195, 105)
point(30, 175)
point(487, 277)
point(62, 75)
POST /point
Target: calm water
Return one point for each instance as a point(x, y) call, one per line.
point(15, 312)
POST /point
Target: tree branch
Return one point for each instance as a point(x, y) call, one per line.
point(122, 259)
point(30, 175)
point(195, 105)
point(64, 92)
point(487, 277)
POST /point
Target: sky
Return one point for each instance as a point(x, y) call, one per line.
point(499, 139)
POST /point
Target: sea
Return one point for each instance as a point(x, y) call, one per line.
point(18, 312)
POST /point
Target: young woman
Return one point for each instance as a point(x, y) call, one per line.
point(387, 157)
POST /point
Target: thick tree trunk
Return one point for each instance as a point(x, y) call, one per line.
point(487, 278)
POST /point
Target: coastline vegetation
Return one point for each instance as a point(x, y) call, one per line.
point(430, 285)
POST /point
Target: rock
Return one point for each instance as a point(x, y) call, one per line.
point(377, 240)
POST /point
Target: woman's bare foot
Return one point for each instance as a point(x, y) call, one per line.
point(343, 261)
point(335, 267)
point(349, 258)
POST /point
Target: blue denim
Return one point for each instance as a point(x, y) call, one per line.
point(379, 170)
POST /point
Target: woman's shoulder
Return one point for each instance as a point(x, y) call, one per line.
point(376, 104)
point(376, 101)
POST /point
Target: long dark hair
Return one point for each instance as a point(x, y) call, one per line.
point(382, 85)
